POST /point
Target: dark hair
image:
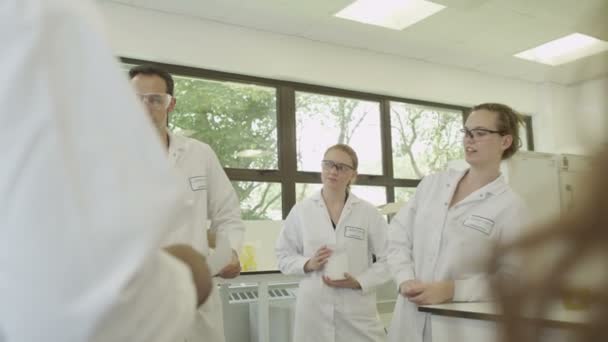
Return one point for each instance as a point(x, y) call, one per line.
point(149, 69)
point(508, 121)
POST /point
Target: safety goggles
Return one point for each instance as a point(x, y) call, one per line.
point(327, 165)
point(155, 100)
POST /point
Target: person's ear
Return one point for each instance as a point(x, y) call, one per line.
point(171, 105)
point(507, 141)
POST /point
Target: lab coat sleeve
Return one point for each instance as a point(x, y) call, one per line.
point(290, 246)
point(378, 273)
point(478, 286)
point(86, 190)
point(223, 208)
point(400, 240)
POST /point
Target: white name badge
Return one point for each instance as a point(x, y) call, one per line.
point(354, 233)
point(198, 183)
point(482, 224)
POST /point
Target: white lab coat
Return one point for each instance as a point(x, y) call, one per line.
point(429, 241)
point(210, 196)
point(85, 189)
point(323, 313)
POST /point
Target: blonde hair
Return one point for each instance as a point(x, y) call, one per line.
point(351, 153)
point(348, 150)
point(507, 122)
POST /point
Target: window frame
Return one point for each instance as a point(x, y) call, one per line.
point(287, 173)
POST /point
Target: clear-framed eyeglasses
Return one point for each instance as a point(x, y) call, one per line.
point(327, 165)
point(155, 100)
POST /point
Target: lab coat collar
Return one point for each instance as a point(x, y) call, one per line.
point(496, 187)
point(351, 200)
point(177, 145)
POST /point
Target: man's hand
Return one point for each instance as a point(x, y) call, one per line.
point(433, 293)
point(411, 288)
point(233, 269)
point(349, 283)
point(318, 260)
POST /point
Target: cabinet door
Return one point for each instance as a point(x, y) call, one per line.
point(535, 177)
point(574, 172)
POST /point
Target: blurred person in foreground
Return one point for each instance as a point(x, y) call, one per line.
point(86, 194)
point(572, 258)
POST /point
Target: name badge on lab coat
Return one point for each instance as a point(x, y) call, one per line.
point(479, 223)
point(198, 183)
point(355, 233)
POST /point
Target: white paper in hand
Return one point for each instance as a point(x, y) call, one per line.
point(337, 264)
point(221, 256)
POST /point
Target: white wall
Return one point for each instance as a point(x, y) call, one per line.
point(591, 110)
point(182, 40)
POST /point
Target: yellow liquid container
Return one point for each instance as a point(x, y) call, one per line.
point(247, 258)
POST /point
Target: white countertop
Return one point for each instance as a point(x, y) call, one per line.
point(490, 311)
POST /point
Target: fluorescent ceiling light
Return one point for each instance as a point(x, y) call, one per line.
point(393, 14)
point(564, 50)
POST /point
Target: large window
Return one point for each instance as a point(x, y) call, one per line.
point(270, 136)
point(424, 139)
point(238, 120)
point(322, 121)
point(259, 201)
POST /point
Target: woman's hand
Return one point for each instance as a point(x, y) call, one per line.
point(348, 283)
point(318, 260)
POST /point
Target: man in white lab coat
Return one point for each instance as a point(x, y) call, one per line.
point(84, 196)
point(210, 194)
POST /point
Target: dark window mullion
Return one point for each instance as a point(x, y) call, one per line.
point(286, 126)
point(529, 132)
point(387, 147)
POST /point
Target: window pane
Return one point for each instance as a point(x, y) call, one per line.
point(376, 195)
point(259, 201)
point(424, 139)
point(404, 194)
point(258, 245)
point(304, 191)
point(322, 121)
point(523, 135)
point(238, 120)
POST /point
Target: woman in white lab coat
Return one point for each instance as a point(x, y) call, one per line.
point(440, 242)
point(335, 221)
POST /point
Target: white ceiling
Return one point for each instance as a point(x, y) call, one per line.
point(482, 35)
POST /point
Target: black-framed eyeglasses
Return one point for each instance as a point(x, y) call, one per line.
point(478, 133)
point(327, 165)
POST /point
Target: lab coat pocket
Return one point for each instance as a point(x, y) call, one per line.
point(472, 256)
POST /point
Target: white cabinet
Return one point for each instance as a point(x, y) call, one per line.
point(550, 184)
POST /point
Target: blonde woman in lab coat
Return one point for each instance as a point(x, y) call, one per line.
point(332, 220)
point(440, 242)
